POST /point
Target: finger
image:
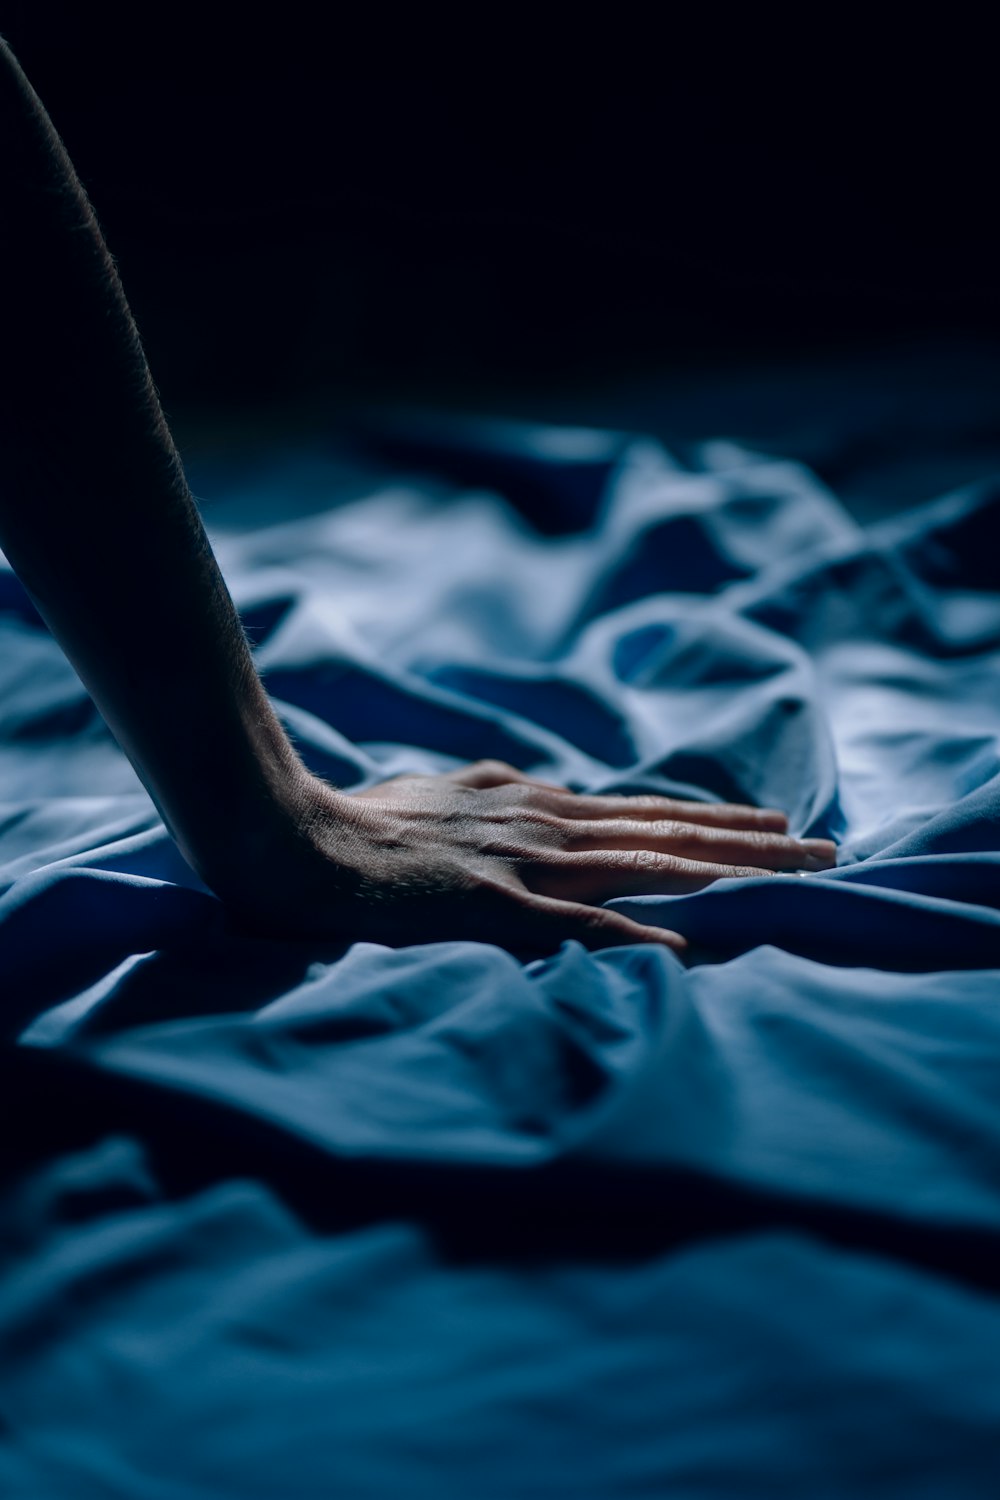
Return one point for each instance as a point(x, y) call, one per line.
point(658, 809)
point(731, 815)
point(605, 874)
point(554, 921)
point(482, 774)
point(758, 847)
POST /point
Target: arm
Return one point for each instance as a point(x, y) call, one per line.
point(96, 516)
point(97, 519)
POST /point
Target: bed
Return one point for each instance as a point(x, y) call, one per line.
point(286, 1219)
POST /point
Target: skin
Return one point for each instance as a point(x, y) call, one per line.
point(98, 521)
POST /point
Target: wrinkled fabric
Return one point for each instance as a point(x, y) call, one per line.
point(291, 1218)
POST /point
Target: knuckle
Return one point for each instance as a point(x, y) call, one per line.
point(642, 861)
point(692, 841)
point(762, 841)
point(646, 802)
point(495, 768)
point(679, 832)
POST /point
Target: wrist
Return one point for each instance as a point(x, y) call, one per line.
point(240, 791)
point(267, 834)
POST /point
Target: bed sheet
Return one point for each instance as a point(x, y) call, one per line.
point(293, 1219)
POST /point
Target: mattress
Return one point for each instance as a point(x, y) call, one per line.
point(290, 1218)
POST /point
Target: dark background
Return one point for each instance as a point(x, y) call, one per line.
point(370, 207)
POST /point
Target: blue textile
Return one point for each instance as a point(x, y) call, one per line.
point(283, 1219)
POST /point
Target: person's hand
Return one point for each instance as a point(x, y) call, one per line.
point(490, 854)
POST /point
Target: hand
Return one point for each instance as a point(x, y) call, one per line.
point(490, 854)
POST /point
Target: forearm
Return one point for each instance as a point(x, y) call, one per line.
point(97, 518)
